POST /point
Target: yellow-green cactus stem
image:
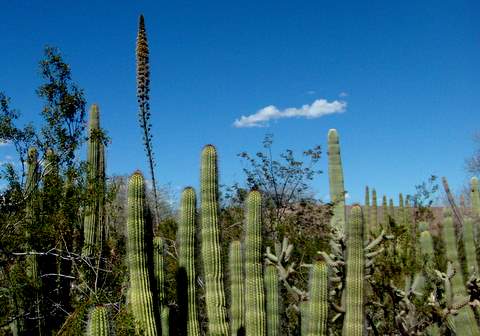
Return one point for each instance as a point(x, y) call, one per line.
point(475, 196)
point(335, 176)
point(159, 275)
point(373, 213)
point(366, 210)
point(254, 295)
point(211, 254)
point(98, 323)
point(317, 308)
point(237, 293)
point(272, 300)
point(469, 244)
point(386, 217)
point(140, 293)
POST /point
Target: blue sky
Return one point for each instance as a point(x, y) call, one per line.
point(404, 72)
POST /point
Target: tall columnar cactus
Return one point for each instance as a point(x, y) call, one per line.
point(354, 297)
point(211, 254)
point(335, 175)
point(391, 210)
point(186, 255)
point(386, 220)
point(366, 209)
point(95, 182)
point(317, 307)
point(254, 295)
point(272, 300)
point(374, 212)
point(159, 275)
point(469, 244)
point(475, 196)
point(237, 285)
point(98, 323)
point(465, 323)
point(400, 214)
point(140, 293)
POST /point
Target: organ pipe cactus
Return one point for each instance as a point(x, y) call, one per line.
point(254, 295)
point(186, 255)
point(272, 300)
point(354, 296)
point(374, 212)
point(317, 306)
point(475, 196)
point(386, 221)
point(98, 323)
point(400, 214)
point(211, 255)
point(237, 307)
point(140, 293)
point(465, 323)
point(469, 244)
point(335, 175)
point(159, 269)
point(366, 210)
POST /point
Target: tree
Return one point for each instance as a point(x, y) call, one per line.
point(473, 163)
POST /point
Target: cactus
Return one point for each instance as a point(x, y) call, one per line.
point(186, 256)
point(211, 255)
point(374, 213)
point(140, 293)
point(237, 308)
point(98, 322)
point(366, 210)
point(465, 323)
point(469, 244)
point(165, 320)
point(386, 218)
point(254, 295)
point(317, 307)
point(159, 271)
point(335, 175)
point(354, 297)
point(272, 300)
point(400, 214)
point(391, 210)
point(93, 212)
point(475, 196)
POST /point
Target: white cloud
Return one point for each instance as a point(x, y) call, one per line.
point(311, 92)
point(343, 94)
point(4, 143)
point(317, 109)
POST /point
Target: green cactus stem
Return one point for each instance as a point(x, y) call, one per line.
point(317, 308)
point(391, 210)
point(335, 176)
point(465, 323)
point(186, 256)
point(272, 300)
point(354, 296)
point(140, 293)
point(98, 323)
point(254, 295)
point(386, 217)
point(374, 213)
point(366, 210)
point(475, 196)
point(400, 214)
point(469, 245)
point(159, 269)
point(237, 307)
point(211, 254)
point(165, 320)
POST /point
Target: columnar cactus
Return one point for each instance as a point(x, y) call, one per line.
point(374, 213)
point(98, 323)
point(400, 214)
point(159, 269)
point(335, 175)
point(165, 320)
point(95, 183)
point(237, 304)
point(254, 295)
point(354, 297)
point(366, 210)
point(469, 244)
point(211, 256)
point(186, 255)
point(465, 323)
point(475, 196)
point(272, 300)
point(317, 307)
point(140, 293)
point(386, 220)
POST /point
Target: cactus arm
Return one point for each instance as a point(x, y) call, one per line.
point(335, 175)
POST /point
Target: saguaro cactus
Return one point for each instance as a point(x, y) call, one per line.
point(335, 175)
point(159, 274)
point(272, 300)
point(212, 264)
point(465, 323)
point(254, 299)
point(354, 316)
point(140, 292)
point(317, 307)
point(374, 213)
point(366, 209)
point(386, 220)
point(237, 304)
point(186, 255)
point(98, 323)
point(475, 196)
point(469, 244)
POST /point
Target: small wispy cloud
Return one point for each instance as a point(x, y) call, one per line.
point(343, 94)
point(317, 109)
point(4, 143)
point(311, 92)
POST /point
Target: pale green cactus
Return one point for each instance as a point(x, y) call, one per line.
point(374, 213)
point(98, 323)
point(335, 175)
point(272, 300)
point(317, 306)
point(237, 285)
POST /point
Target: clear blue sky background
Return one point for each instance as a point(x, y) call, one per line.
point(409, 68)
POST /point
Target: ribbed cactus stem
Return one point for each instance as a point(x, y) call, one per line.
point(386, 220)
point(140, 293)
point(475, 196)
point(254, 295)
point(211, 254)
point(237, 293)
point(354, 297)
point(272, 300)
point(165, 320)
point(186, 255)
point(391, 210)
point(469, 244)
point(317, 309)
point(400, 214)
point(159, 268)
point(374, 213)
point(98, 323)
point(366, 210)
point(335, 175)
point(465, 323)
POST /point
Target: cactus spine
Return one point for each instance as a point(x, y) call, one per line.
point(354, 318)
point(186, 255)
point(254, 298)
point(335, 175)
point(237, 309)
point(465, 323)
point(140, 293)
point(272, 300)
point(93, 212)
point(98, 323)
point(211, 257)
point(317, 307)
